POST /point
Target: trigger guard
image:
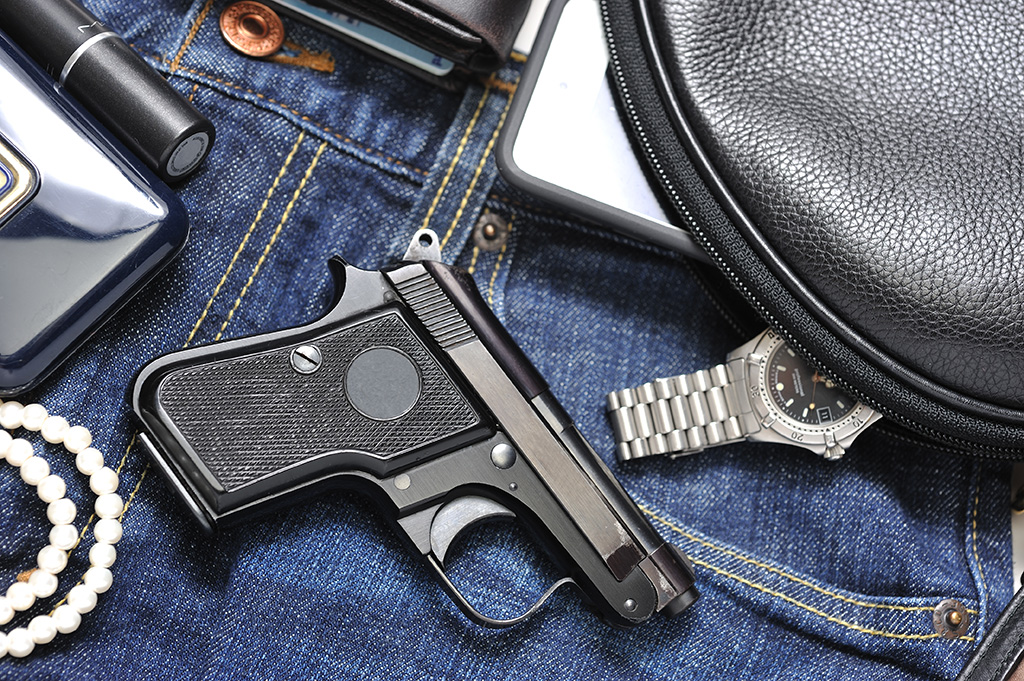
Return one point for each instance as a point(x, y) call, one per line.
point(456, 516)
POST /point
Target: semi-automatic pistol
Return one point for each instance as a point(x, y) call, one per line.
point(408, 389)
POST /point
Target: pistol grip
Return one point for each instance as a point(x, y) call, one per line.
point(246, 425)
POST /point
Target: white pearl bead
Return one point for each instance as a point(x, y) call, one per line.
point(77, 439)
point(89, 460)
point(52, 488)
point(33, 416)
point(20, 643)
point(52, 559)
point(61, 512)
point(109, 505)
point(54, 428)
point(42, 583)
point(34, 470)
point(42, 628)
point(5, 441)
point(6, 611)
point(101, 555)
point(99, 579)
point(19, 452)
point(103, 481)
point(82, 598)
point(66, 618)
point(3, 645)
point(20, 596)
point(107, 531)
point(64, 537)
point(10, 415)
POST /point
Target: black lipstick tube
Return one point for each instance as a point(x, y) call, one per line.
point(98, 68)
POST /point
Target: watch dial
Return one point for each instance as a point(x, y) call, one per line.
point(802, 393)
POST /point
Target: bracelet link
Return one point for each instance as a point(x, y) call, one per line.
point(682, 414)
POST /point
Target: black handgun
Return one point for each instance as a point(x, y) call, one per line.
point(411, 390)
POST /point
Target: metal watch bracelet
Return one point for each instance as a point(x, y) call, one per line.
point(682, 414)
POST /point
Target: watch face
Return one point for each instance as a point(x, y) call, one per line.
point(802, 393)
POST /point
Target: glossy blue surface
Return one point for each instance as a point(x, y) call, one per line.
point(98, 226)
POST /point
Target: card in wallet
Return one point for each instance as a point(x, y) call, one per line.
point(443, 41)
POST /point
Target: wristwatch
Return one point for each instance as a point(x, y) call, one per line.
point(764, 392)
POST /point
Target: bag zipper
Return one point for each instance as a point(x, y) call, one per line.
point(640, 137)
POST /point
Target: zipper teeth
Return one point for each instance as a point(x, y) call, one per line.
point(666, 182)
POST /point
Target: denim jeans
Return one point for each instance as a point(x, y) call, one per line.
point(808, 568)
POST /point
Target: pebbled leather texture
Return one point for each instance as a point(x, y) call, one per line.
point(876, 148)
point(477, 35)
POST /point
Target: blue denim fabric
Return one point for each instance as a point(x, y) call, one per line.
point(808, 569)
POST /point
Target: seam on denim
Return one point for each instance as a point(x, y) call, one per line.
point(821, 613)
point(496, 83)
point(476, 175)
point(196, 25)
point(783, 573)
point(317, 61)
point(982, 584)
point(303, 117)
point(587, 227)
point(195, 89)
point(456, 158)
point(273, 239)
point(135, 491)
point(472, 262)
point(497, 265)
point(245, 239)
point(539, 210)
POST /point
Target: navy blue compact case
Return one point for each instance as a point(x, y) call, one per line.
point(83, 224)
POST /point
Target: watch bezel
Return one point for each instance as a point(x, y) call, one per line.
point(817, 438)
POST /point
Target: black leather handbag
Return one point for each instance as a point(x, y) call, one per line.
point(855, 169)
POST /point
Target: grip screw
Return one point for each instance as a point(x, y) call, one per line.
point(306, 359)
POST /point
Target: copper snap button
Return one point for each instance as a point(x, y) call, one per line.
point(252, 28)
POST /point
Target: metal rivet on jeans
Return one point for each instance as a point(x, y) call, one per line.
point(951, 619)
point(491, 232)
point(252, 28)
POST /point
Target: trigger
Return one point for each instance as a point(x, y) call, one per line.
point(456, 516)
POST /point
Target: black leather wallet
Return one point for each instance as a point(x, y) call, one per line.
point(477, 36)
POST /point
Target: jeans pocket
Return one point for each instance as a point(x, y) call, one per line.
point(800, 560)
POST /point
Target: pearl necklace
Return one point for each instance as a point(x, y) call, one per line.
point(60, 511)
